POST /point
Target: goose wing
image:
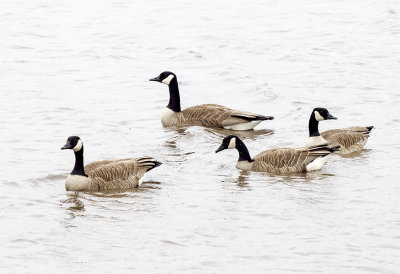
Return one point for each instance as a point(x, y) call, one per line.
point(94, 165)
point(238, 117)
point(110, 170)
point(356, 129)
point(290, 159)
point(212, 115)
point(348, 140)
point(362, 130)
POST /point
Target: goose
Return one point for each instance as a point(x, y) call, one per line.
point(278, 160)
point(207, 115)
point(107, 174)
point(349, 139)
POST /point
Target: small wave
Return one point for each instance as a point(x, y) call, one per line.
point(50, 177)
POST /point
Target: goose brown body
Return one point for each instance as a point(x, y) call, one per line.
point(279, 160)
point(288, 160)
point(351, 139)
point(116, 174)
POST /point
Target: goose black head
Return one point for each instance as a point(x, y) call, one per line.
point(321, 114)
point(74, 143)
point(228, 142)
point(165, 77)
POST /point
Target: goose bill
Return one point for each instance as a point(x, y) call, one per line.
point(219, 149)
point(156, 79)
point(330, 117)
point(67, 146)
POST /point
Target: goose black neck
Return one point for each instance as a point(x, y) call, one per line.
point(174, 99)
point(313, 126)
point(244, 154)
point(78, 168)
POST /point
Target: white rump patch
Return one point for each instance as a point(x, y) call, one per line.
point(168, 79)
point(243, 126)
point(316, 164)
point(318, 116)
point(232, 143)
point(78, 146)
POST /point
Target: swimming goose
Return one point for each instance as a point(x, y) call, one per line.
point(278, 160)
point(108, 174)
point(208, 115)
point(349, 139)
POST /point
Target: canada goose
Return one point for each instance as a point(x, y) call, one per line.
point(208, 115)
point(278, 160)
point(350, 139)
point(108, 174)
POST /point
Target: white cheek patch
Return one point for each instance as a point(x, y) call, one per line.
point(232, 143)
point(318, 116)
point(168, 79)
point(78, 146)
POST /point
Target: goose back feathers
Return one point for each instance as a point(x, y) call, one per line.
point(350, 139)
point(107, 174)
point(207, 115)
point(211, 115)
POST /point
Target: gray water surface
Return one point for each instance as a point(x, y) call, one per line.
point(82, 68)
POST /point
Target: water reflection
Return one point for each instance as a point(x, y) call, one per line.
point(73, 202)
point(245, 178)
point(242, 180)
point(173, 151)
point(220, 132)
point(362, 154)
point(300, 177)
point(123, 193)
point(242, 134)
point(73, 206)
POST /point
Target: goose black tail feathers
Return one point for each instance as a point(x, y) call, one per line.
point(148, 162)
point(262, 117)
point(334, 148)
point(323, 148)
point(254, 118)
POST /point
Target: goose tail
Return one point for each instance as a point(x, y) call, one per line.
point(334, 148)
point(323, 149)
point(370, 128)
point(263, 117)
point(148, 163)
point(367, 130)
point(252, 117)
